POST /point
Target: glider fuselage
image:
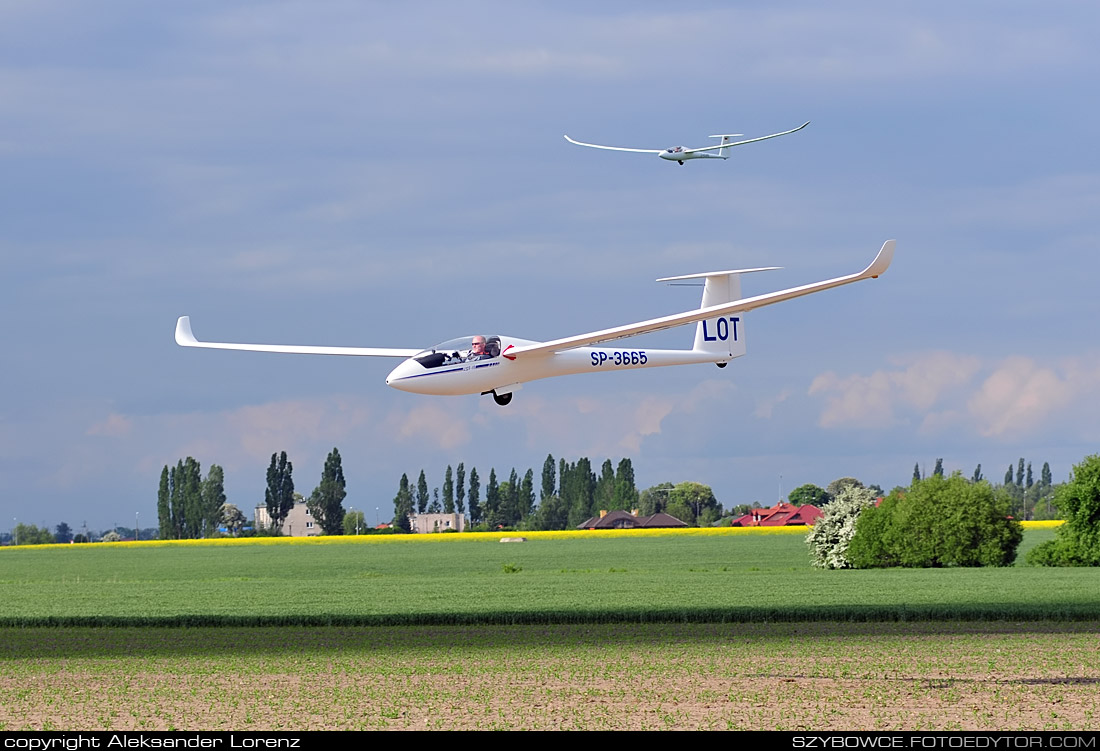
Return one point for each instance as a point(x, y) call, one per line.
point(452, 373)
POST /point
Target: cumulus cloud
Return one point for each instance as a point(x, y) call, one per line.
point(874, 400)
point(942, 392)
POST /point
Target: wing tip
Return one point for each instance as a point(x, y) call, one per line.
point(883, 260)
point(184, 337)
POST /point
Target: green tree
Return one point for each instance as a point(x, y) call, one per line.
point(831, 534)
point(693, 503)
point(448, 491)
point(435, 507)
point(1046, 478)
point(233, 519)
point(1030, 481)
point(605, 487)
point(808, 494)
point(1008, 475)
point(547, 478)
point(653, 500)
point(354, 522)
point(526, 499)
point(938, 470)
point(422, 494)
point(839, 484)
point(475, 497)
point(279, 495)
point(63, 533)
point(460, 489)
point(1077, 542)
point(626, 492)
point(916, 472)
point(491, 512)
point(403, 505)
point(29, 534)
point(212, 493)
point(577, 487)
point(164, 507)
point(326, 503)
point(1020, 474)
point(940, 521)
point(977, 474)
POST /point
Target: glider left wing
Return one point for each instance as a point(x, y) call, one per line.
point(751, 140)
point(878, 266)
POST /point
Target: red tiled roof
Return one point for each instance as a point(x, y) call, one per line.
point(780, 515)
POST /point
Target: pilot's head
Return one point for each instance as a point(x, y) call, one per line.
point(478, 346)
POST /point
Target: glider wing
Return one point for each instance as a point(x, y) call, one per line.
point(878, 266)
point(185, 338)
point(751, 140)
point(614, 148)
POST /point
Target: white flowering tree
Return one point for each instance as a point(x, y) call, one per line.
point(829, 537)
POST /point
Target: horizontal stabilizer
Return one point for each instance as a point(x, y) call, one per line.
point(705, 274)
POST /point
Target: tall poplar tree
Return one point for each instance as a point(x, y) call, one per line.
point(279, 495)
point(403, 505)
point(213, 498)
point(626, 492)
point(548, 469)
point(448, 492)
point(422, 494)
point(475, 502)
point(326, 504)
point(460, 489)
point(164, 509)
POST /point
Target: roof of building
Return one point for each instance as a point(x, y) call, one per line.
point(627, 520)
point(780, 515)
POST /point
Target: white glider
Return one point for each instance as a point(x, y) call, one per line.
point(681, 154)
point(498, 365)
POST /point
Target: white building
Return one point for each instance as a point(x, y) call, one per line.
point(428, 523)
point(298, 523)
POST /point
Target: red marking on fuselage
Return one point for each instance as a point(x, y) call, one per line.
point(509, 357)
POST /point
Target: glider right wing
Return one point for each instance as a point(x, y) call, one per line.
point(185, 338)
point(614, 148)
point(879, 265)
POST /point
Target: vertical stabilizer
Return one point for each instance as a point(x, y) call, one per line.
point(721, 334)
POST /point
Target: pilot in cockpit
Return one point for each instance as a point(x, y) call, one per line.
point(477, 349)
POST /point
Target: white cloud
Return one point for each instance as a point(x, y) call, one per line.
point(874, 400)
point(941, 392)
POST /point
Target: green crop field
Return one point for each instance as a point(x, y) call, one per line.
point(681, 631)
point(454, 579)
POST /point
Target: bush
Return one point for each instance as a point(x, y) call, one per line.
point(1077, 542)
point(831, 534)
point(938, 522)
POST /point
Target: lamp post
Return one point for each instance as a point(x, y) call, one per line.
point(136, 527)
point(14, 531)
point(376, 517)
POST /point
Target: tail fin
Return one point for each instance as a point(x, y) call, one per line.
point(724, 334)
point(727, 139)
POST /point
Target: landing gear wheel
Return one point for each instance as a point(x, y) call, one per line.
point(721, 364)
point(681, 164)
point(502, 399)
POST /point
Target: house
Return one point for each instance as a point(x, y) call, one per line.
point(298, 523)
point(780, 515)
point(631, 520)
point(427, 523)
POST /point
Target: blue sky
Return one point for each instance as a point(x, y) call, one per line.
point(392, 175)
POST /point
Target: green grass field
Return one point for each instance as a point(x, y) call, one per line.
point(456, 632)
point(671, 578)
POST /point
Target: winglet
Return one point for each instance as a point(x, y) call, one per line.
point(882, 260)
point(184, 337)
